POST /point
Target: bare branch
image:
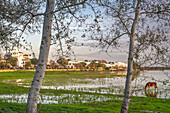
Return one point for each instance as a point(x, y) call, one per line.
point(71, 11)
point(118, 15)
point(59, 35)
point(59, 9)
point(155, 12)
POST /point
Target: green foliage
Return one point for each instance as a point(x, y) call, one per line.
point(30, 1)
point(13, 61)
point(79, 66)
point(2, 65)
point(93, 65)
point(107, 68)
point(28, 64)
point(99, 65)
point(62, 61)
point(34, 61)
point(52, 64)
point(83, 64)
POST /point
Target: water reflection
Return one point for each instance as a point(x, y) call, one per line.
point(59, 99)
point(151, 93)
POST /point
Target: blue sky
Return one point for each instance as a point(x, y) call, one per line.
point(81, 52)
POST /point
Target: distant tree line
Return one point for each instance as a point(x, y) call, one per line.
point(154, 68)
point(11, 63)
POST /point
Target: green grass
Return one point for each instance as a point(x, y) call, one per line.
point(53, 108)
point(52, 78)
point(137, 104)
point(12, 89)
point(149, 104)
point(113, 106)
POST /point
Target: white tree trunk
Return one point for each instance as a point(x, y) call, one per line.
point(43, 58)
point(125, 105)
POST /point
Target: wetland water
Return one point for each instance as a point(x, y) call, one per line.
point(104, 85)
point(116, 85)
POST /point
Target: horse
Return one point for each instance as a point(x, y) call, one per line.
point(151, 84)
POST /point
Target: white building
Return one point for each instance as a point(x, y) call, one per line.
point(110, 65)
point(22, 58)
point(121, 64)
point(117, 65)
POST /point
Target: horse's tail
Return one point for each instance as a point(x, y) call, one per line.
point(146, 86)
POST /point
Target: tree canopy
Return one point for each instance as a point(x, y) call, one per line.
point(16, 18)
point(62, 61)
point(13, 61)
point(34, 61)
point(28, 64)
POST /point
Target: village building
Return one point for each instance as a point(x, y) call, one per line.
point(111, 65)
point(117, 66)
point(22, 58)
point(73, 64)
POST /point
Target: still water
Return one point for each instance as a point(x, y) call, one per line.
point(116, 85)
point(105, 85)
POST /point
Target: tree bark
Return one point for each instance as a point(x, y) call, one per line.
point(125, 105)
point(43, 58)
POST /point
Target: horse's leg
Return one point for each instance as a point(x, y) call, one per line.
point(149, 86)
point(156, 87)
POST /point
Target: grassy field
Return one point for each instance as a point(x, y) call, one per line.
point(8, 85)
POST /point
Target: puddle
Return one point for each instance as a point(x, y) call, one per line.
point(15, 80)
point(116, 72)
point(19, 80)
point(61, 99)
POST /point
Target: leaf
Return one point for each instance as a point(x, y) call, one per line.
point(30, 1)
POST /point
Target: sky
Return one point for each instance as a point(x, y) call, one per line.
point(81, 53)
point(84, 52)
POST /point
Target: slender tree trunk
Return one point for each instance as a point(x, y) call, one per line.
point(43, 58)
point(125, 105)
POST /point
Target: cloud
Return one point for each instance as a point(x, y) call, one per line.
point(114, 56)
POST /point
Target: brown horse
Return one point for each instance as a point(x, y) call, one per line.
point(151, 84)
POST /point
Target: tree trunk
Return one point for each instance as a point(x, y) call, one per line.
point(125, 105)
point(43, 58)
